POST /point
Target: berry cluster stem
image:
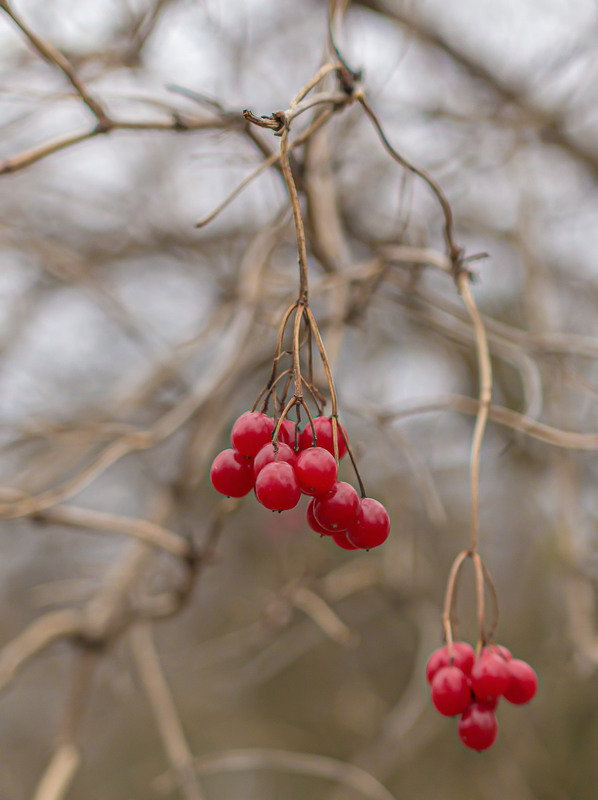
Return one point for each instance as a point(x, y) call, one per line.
point(485, 396)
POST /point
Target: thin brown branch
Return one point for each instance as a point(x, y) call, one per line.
point(59, 773)
point(141, 529)
point(35, 638)
point(485, 382)
point(176, 124)
point(454, 251)
point(504, 416)
point(553, 126)
point(54, 56)
point(165, 712)
point(298, 763)
point(270, 161)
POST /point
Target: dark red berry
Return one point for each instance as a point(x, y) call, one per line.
point(267, 455)
point(276, 486)
point(313, 522)
point(323, 429)
point(287, 433)
point(340, 538)
point(336, 510)
point(372, 526)
point(463, 657)
point(251, 432)
point(478, 727)
point(490, 676)
point(523, 683)
point(316, 470)
point(451, 693)
point(232, 474)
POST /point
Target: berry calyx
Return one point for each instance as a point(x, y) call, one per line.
point(340, 538)
point(251, 432)
point(316, 470)
point(523, 682)
point(490, 676)
point(451, 693)
point(323, 429)
point(372, 526)
point(478, 727)
point(338, 509)
point(232, 474)
point(313, 522)
point(463, 657)
point(267, 455)
point(276, 486)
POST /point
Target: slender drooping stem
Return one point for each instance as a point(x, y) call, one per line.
point(296, 207)
point(450, 596)
point(485, 395)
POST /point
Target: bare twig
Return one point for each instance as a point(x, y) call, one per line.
point(165, 713)
point(54, 56)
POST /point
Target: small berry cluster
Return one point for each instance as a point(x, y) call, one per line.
point(299, 463)
point(472, 687)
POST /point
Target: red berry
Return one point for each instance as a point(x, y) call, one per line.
point(478, 727)
point(232, 474)
point(372, 526)
point(287, 433)
point(463, 657)
point(451, 693)
point(251, 432)
point(340, 538)
point(316, 470)
point(276, 486)
point(267, 455)
point(313, 522)
point(490, 676)
point(336, 510)
point(323, 429)
point(523, 683)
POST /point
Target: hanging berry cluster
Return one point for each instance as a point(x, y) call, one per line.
point(276, 457)
point(463, 681)
point(299, 463)
point(462, 684)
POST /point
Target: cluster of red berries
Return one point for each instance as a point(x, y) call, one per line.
point(280, 474)
point(472, 687)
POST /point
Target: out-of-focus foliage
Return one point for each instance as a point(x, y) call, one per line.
point(118, 316)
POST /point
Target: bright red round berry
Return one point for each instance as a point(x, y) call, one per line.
point(523, 683)
point(490, 676)
point(251, 432)
point(287, 433)
point(463, 657)
point(267, 455)
point(323, 429)
point(336, 510)
point(316, 470)
point(340, 538)
point(232, 474)
point(276, 486)
point(478, 727)
point(372, 526)
point(313, 522)
point(451, 693)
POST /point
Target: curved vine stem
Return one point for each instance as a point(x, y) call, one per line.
point(485, 395)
